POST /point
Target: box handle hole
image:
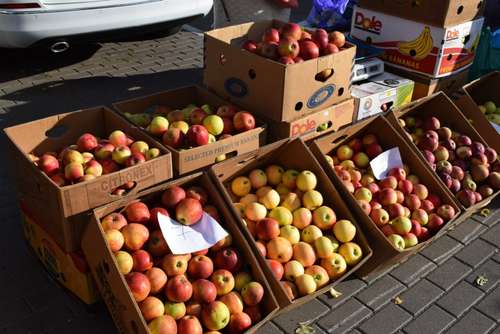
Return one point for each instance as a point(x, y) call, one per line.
point(124, 188)
point(368, 40)
point(324, 75)
point(415, 3)
point(341, 91)
point(252, 74)
point(479, 5)
point(324, 126)
point(460, 10)
point(226, 156)
point(449, 57)
point(57, 131)
point(339, 139)
point(298, 106)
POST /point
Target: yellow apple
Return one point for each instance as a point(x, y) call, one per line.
point(351, 252)
point(255, 211)
point(335, 266)
point(344, 230)
point(241, 186)
point(312, 199)
point(310, 234)
point(291, 201)
point(293, 269)
point(282, 215)
point(291, 233)
point(306, 180)
point(274, 174)
point(289, 178)
point(324, 247)
point(319, 274)
point(302, 218)
point(258, 178)
point(270, 199)
point(305, 284)
point(249, 198)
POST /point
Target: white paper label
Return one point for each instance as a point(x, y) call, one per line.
point(386, 161)
point(182, 239)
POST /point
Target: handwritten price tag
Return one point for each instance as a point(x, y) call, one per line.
point(182, 239)
point(386, 161)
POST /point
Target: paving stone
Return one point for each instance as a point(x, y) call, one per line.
point(496, 257)
point(307, 312)
point(419, 296)
point(472, 322)
point(388, 320)
point(441, 249)
point(476, 253)
point(467, 231)
point(492, 235)
point(269, 328)
point(347, 288)
point(490, 305)
point(433, 320)
point(347, 315)
point(378, 274)
point(412, 270)
point(491, 270)
point(496, 331)
point(460, 298)
point(449, 273)
point(13, 310)
point(380, 292)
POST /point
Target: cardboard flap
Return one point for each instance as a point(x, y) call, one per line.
point(225, 170)
point(123, 309)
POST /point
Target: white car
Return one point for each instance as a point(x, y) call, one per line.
point(57, 23)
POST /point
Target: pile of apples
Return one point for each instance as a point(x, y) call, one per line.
point(400, 205)
point(92, 157)
point(304, 243)
point(290, 44)
point(469, 169)
point(209, 290)
point(193, 126)
point(491, 111)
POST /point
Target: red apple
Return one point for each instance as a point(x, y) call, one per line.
point(172, 196)
point(197, 193)
point(200, 266)
point(320, 37)
point(179, 289)
point(291, 30)
point(139, 285)
point(204, 291)
point(271, 35)
point(250, 46)
point(276, 268)
point(189, 325)
point(142, 260)
point(87, 142)
point(243, 121)
point(267, 229)
point(337, 38)
point(268, 50)
point(49, 164)
point(239, 323)
point(197, 135)
point(227, 259)
point(174, 138)
point(288, 47)
point(137, 212)
point(189, 211)
point(308, 50)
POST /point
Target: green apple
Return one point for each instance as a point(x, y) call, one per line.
point(291, 233)
point(214, 124)
point(397, 241)
point(490, 106)
point(401, 225)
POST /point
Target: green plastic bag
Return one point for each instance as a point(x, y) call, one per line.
point(487, 54)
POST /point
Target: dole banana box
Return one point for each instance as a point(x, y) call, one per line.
point(419, 47)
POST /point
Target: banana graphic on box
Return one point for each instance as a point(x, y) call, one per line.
point(420, 47)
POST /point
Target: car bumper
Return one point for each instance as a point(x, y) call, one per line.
point(23, 29)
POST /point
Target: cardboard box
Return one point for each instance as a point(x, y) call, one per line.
point(69, 269)
point(111, 282)
point(430, 50)
point(440, 106)
point(61, 210)
point(314, 125)
point(265, 86)
point(381, 93)
point(384, 253)
point(442, 13)
point(477, 93)
point(289, 153)
point(186, 161)
point(425, 86)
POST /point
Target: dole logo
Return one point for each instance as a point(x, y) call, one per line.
point(365, 23)
point(302, 128)
point(452, 34)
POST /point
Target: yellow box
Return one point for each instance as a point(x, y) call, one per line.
point(69, 269)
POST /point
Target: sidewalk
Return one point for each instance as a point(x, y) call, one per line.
point(436, 288)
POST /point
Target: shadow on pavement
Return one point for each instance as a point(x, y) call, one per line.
point(69, 95)
point(21, 63)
